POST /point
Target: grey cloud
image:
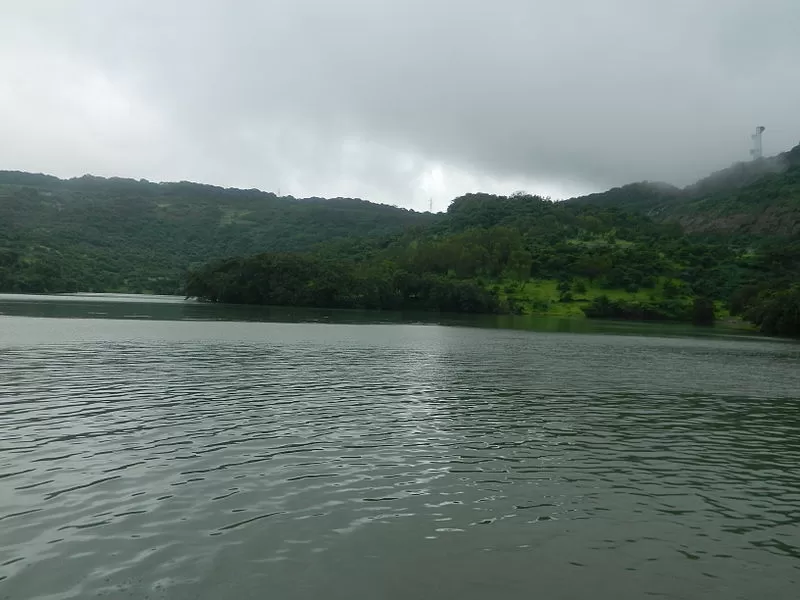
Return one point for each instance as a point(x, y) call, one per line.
point(371, 97)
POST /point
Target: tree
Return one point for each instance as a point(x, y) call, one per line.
point(777, 312)
point(703, 311)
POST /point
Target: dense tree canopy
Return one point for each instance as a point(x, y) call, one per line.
point(495, 245)
point(770, 294)
point(759, 197)
point(307, 280)
point(97, 234)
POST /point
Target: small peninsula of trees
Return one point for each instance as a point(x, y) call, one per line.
point(307, 280)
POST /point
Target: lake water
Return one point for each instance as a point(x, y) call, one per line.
point(181, 451)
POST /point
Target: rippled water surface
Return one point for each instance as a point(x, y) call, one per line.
point(190, 459)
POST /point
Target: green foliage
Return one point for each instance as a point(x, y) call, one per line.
point(519, 254)
point(759, 197)
point(743, 298)
point(95, 234)
point(777, 312)
point(673, 289)
point(703, 311)
point(770, 294)
point(604, 307)
point(641, 196)
point(307, 280)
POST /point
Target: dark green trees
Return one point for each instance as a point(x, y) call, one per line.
point(703, 311)
point(306, 280)
point(776, 313)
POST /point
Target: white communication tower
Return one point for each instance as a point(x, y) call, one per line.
point(757, 150)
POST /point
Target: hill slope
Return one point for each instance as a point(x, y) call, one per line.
point(526, 255)
point(755, 198)
point(97, 234)
point(519, 254)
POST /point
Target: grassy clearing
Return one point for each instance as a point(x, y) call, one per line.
point(232, 216)
point(541, 296)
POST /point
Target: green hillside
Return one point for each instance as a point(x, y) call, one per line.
point(622, 254)
point(526, 255)
point(531, 256)
point(755, 198)
point(97, 234)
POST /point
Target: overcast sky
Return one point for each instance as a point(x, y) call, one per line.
point(396, 101)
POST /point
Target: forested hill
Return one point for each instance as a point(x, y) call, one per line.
point(758, 197)
point(97, 234)
point(517, 254)
point(526, 255)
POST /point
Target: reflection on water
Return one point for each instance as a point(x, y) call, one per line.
point(174, 308)
point(169, 459)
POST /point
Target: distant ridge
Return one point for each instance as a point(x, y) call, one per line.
point(117, 234)
point(758, 197)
